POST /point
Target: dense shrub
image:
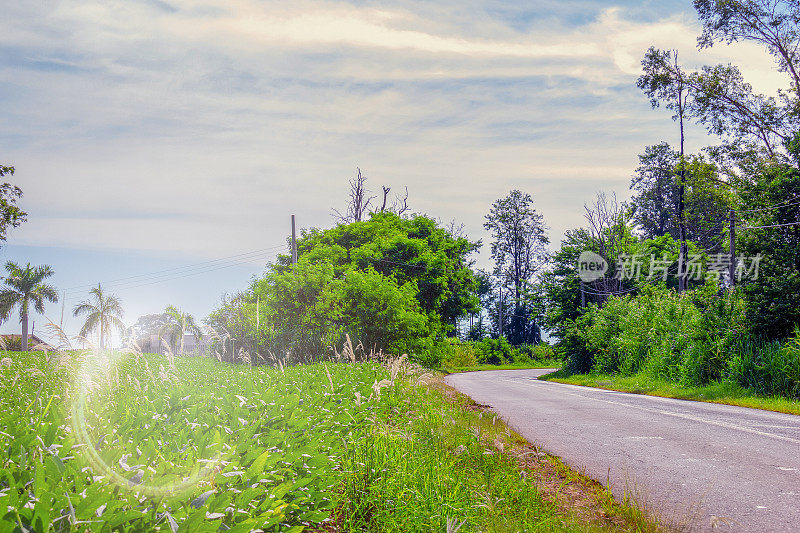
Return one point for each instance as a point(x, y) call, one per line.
point(687, 339)
point(459, 355)
point(494, 351)
point(767, 367)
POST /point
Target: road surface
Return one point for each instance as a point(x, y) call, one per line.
point(695, 463)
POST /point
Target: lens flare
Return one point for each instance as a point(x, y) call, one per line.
point(96, 381)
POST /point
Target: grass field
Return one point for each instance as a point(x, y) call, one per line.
point(141, 443)
point(724, 392)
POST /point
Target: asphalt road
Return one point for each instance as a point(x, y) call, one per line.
point(694, 463)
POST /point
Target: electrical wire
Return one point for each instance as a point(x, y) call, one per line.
point(242, 256)
point(770, 226)
point(758, 209)
point(132, 282)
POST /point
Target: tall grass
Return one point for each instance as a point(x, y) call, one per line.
point(694, 339)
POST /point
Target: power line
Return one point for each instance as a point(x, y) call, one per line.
point(755, 210)
point(770, 226)
point(180, 272)
point(183, 267)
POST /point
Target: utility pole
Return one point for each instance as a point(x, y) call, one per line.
point(501, 310)
point(63, 301)
point(732, 266)
point(294, 243)
point(583, 296)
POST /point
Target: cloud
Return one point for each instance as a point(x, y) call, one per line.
point(203, 124)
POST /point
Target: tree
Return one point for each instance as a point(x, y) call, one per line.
point(146, 326)
point(519, 249)
point(178, 324)
point(103, 313)
point(772, 199)
point(10, 214)
point(24, 286)
point(359, 202)
point(723, 101)
point(393, 283)
point(664, 81)
point(656, 191)
point(707, 199)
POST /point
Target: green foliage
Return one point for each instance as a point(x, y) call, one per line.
point(494, 351)
point(392, 284)
point(459, 355)
point(10, 214)
point(772, 303)
point(685, 339)
point(767, 367)
point(261, 448)
point(500, 352)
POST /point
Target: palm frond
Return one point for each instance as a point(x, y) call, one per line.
point(92, 321)
point(84, 308)
point(9, 298)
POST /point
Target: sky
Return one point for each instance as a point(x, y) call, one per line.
point(162, 145)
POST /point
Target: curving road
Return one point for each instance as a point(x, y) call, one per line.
point(698, 464)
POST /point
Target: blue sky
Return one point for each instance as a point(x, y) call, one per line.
point(152, 134)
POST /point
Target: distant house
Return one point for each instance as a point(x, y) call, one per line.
point(191, 344)
point(13, 342)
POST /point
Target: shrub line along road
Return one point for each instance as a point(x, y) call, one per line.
point(692, 462)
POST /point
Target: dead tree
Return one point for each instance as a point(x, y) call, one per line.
point(400, 205)
point(606, 218)
point(358, 202)
point(385, 196)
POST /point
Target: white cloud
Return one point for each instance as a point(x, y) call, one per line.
point(217, 119)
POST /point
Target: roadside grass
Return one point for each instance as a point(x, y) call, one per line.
point(544, 363)
point(119, 445)
point(725, 392)
point(436, 461)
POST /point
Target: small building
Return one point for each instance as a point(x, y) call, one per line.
point(191, 344)
point(13, 342)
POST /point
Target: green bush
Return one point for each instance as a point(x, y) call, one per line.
point(14, 344)
point(459, 355)
point(526, 353)
point(767, 367)
point(494, 351)
point(686, 339)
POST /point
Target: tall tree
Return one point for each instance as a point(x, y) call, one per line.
point(654, 203)
point(10, 214)
point(519, 250)
point(724, 101)
point(179, 323)
point(664, 81)
point(772, 200)
point(24, 286)
point(103, 313)
point(656, 190)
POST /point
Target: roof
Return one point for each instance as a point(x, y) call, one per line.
point(34, 342)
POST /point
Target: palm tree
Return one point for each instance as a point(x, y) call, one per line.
point(103, 313)
point(23, 287)
point(179, 323)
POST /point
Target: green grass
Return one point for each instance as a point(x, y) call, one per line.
point(545, 363)
point(135, 445)
point(725, 392)
point(436, 461)
point(142, 443)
